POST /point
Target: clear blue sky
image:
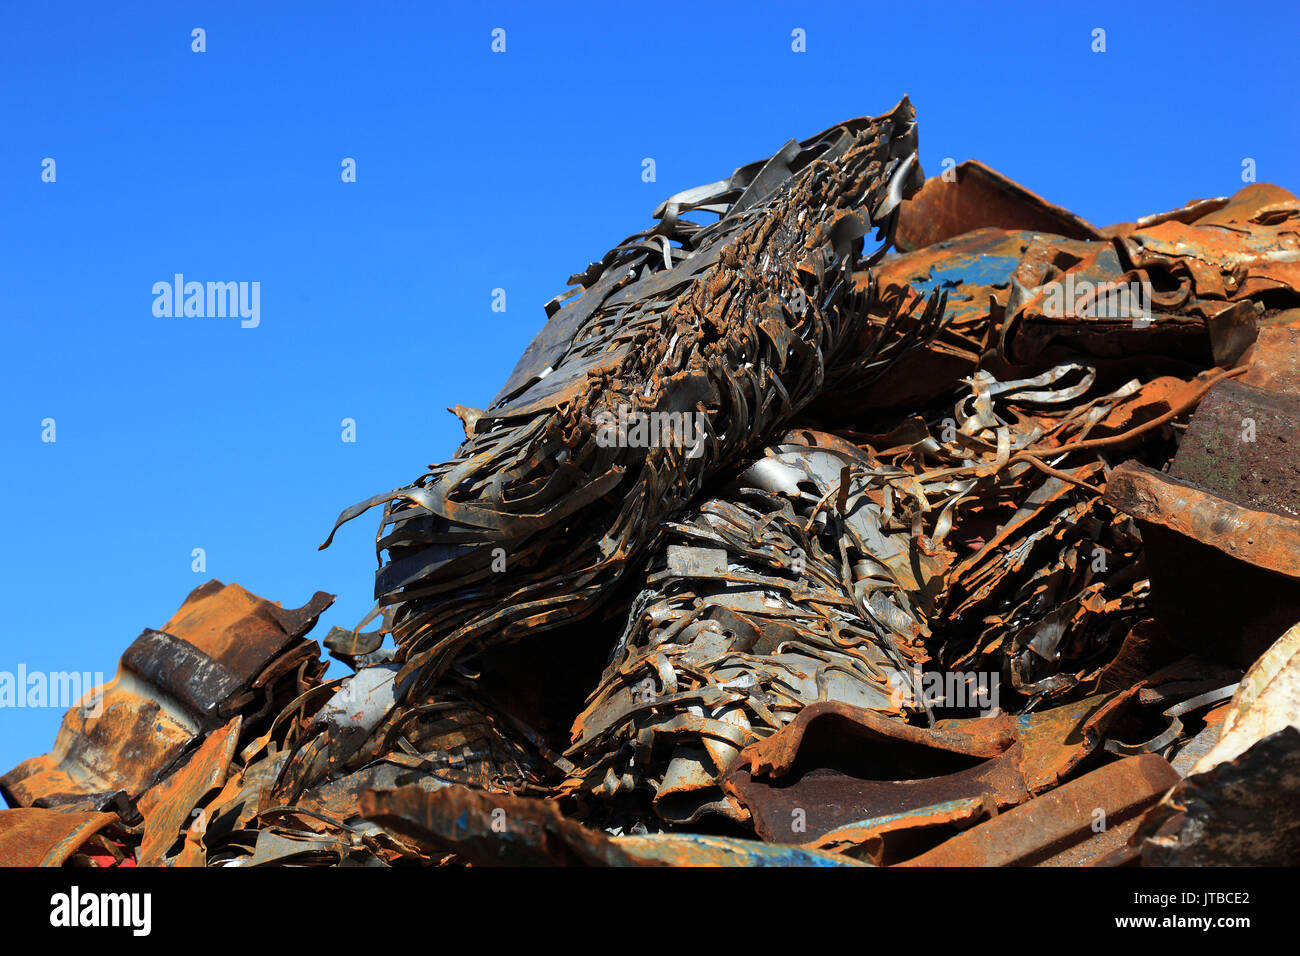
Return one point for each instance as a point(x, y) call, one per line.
point(475, 171)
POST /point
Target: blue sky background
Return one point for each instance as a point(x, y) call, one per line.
point(474, 171)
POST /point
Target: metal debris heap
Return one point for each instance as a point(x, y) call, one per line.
point(779, 547)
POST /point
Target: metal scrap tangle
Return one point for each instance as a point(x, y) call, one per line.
point(841, 517)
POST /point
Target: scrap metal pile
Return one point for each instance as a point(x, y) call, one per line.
point(842, 517)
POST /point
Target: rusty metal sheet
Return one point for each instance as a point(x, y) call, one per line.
point(1046, 827)
point(972, 196)
point(38, 837)
point(501, 830)
point(974, 271)
point(888, 839)
point(1224, 577)
point(104, 761)
point(1275, 361)
point(1244, 259)
point(1189, 212)
point(776, 755)
point(166, 808)
point(168, 693)
point(491, 829)
point(238, 630)
point(691, 849)
point(846, 778)
point(1264, 539)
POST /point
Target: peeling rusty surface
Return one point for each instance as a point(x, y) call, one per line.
point(36, 837)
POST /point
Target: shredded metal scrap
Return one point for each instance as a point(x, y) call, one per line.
point(919, 557)
point(741, 322)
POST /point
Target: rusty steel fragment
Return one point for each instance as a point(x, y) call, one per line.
point(166, 808)
point(501, 830)
point(1274, 360)
point(836, 804)
point(225, 652)
point(1263, 539)
point(690, 849)
point(1223, 523)
point(844, 778)
point(491, 829)
point(38, 837)
point(972, 196)
point(1058, 823)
